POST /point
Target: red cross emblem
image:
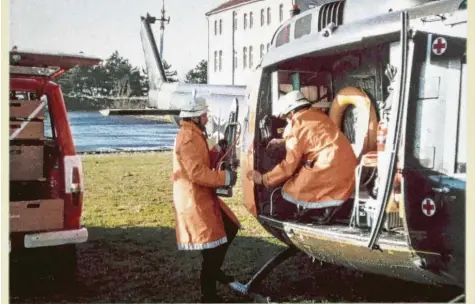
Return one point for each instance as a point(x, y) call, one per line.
point(428, 207)
point(439, 45)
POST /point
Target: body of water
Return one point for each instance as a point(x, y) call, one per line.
point(93, 132)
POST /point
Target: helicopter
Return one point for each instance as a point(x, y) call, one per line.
point(394, 79)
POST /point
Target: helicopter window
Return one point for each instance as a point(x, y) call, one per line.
point(265, 94)
point(315, 86)
point(283, 37)
point(303, 26)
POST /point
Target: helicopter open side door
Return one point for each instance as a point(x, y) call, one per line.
point(426, 138)
point(434, 157)
point(247, 145)
point(395, 130)
point(228, 160)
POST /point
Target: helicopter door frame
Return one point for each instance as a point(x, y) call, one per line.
point(395, 129)
point(229, 160)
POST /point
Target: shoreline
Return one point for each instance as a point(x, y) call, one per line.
point(165, 119)
point(116, 152)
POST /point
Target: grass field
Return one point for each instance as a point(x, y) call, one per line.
point(131, 254)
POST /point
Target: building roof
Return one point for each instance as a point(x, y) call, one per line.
point(227, 5)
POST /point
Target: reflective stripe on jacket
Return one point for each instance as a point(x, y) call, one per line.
point(198, 219)
point(311, 137)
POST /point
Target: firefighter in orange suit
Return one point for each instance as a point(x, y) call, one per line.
point(203, 221)
point(319, 166)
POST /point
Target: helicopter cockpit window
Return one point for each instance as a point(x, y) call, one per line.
point(315, 86)
point(283, 36)
point(303, 26)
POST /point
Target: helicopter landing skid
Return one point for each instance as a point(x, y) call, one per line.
point(261, 274)
point(459, 299)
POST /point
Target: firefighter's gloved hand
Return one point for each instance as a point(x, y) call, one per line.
point(255, 176)
point(222, 145)
point(275, 145)
point(233, 178)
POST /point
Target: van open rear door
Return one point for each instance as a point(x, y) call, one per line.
point(45, 66)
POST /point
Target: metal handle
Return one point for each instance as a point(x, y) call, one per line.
point(441, 190)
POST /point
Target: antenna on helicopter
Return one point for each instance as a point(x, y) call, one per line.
point(162, 26)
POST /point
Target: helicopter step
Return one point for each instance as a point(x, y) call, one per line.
point(248, 288)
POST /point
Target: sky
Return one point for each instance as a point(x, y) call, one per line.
point(99, 27)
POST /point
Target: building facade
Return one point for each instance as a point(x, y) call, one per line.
point(239, 34)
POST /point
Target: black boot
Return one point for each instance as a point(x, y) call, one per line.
point(208, 288)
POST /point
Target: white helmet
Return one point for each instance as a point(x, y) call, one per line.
point(290, 102)
point(195, 107)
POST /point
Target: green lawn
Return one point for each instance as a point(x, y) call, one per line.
point(128, 209)
point(131, 254)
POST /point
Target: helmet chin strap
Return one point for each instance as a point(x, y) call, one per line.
point(197, 121)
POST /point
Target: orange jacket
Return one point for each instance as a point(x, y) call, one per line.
point(312, 137)
point(198, 220)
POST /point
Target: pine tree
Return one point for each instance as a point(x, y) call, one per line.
point(199, 74)
point(94, 87)
point(169, 73)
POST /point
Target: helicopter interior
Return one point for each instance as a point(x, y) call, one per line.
point(320, 79)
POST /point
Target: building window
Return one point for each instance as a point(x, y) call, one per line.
point(235, 60)
point(262, 50)
point(281, 12)
point(251, 20)
point(262, 17)
point(245, 21)
point(268, 46)
point(215, 27)
point(215, 61)
point(220, 26)
point(244, 57)
point(268, 15)
point(220, 60)
point(235, 20)
point(251, 63)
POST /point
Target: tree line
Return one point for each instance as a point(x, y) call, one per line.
point(115, 83)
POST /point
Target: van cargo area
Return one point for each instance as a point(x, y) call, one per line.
point(33, 206)
point(45, 172)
